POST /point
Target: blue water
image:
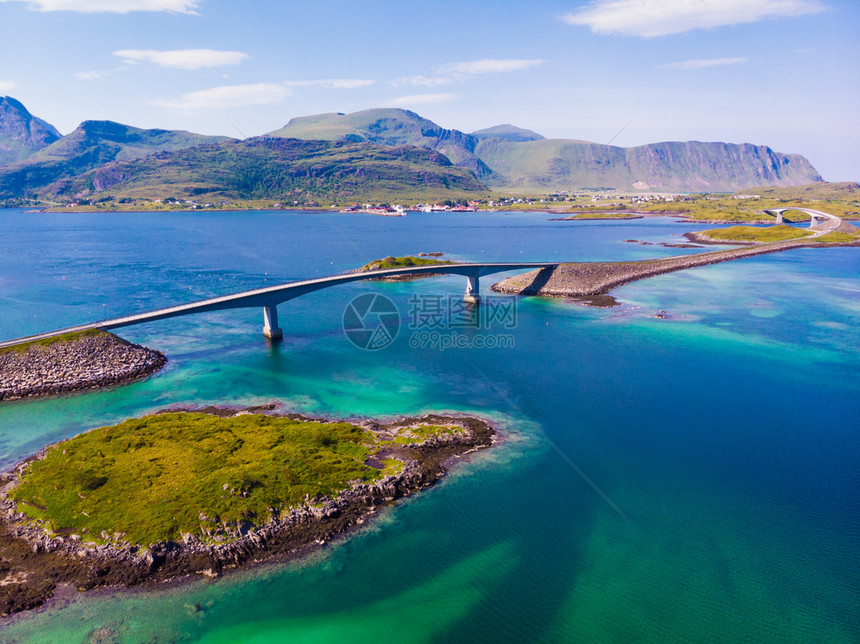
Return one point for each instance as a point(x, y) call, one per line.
point(690, 479)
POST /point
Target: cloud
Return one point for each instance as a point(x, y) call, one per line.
point(93, 75)
point(332, 83)
point(112, 6)
point(182, 58)
point(228, 96)
point(650, 18)
point(6, 86)
point(686, 65)
point(421, 99)
point(447, 74)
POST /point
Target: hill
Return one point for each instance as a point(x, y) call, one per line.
point(507, 132)
point(514, 159)
point(549, 165)
point(21, 133)
point(91, 145)
point(388, 126)
point(275, 168)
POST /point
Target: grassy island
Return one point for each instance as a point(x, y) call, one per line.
point(401, 262)
point(751, 234)
point(160, 477)
point(199, 492)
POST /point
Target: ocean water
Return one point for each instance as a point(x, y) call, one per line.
point(687, 479)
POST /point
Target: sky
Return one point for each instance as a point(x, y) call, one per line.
point(782, 73)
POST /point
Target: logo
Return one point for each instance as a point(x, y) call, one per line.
point(371, 321)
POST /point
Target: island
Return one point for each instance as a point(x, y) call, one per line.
point(403, 262)
point(183, 492)
point(75, 361)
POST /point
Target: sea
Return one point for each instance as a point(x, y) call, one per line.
point(681, 467)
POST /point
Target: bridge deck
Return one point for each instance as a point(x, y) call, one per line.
point(271, 296)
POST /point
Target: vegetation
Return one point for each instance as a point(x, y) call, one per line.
point(604, 215)
point(400, 262)
point(838, 238)
point(153, 479)
point(758, 235)
point(46, 342)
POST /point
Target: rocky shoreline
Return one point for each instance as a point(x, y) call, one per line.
point(88, 360)
point(33, 564)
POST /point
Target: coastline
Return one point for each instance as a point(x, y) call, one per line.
point(88, 360)
point(35, 564)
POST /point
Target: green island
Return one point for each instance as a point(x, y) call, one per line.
point(182, 492)
point(402, 262)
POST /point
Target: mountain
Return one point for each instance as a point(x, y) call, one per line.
point(273, 168)
point(21, 133)
point(547, 165)
point(91, 145)
point(507, 132)
point(388, 126)
point(514, 159)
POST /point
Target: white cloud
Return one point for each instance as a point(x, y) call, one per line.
point(421, 99)
point(650, 18)
point(182, 58)
point(112, 6)
point(228, 96)
point(686, 65)
point(447, 74)
point(489, 66)
point(93, 75)
point(6, 86)
point(332, 83)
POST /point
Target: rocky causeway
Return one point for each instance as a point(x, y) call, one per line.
point(86, 360)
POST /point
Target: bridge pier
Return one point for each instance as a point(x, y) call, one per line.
point(779, 217)
point(473, 294)
point(270, 323)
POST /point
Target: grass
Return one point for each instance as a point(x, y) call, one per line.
point(605, 215)
point(401, 262)
point(46, 342)
point(838, 238)
point(751, 234)
point(154, 479)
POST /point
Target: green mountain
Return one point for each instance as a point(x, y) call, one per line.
point(21, 133)
point(514, 159)
point(91, 145)
point(388, 126)
point(274, 168)
point(507, 132)
point(549, 165)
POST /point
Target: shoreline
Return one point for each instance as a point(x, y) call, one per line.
point(89, 360)
point(35, 565)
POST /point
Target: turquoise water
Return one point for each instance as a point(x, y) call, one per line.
point(690, 479)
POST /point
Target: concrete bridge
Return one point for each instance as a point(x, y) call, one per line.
point(822, 222)
point(268, 298)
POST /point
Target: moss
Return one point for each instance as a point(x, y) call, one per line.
point(156, 478)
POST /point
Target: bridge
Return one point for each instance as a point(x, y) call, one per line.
point(270, 297)
point(822, 222)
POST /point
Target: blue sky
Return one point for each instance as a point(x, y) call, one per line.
point(783, 73)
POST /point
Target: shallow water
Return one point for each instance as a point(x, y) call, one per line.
point(685, 479)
